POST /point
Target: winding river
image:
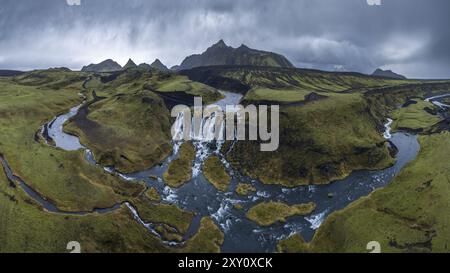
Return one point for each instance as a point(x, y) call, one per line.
point(199, 196)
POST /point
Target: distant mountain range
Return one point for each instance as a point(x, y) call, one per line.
point(112, 66)
point(217, 54)
point(388, 74)
point(9, 73)
point(157, 64)
point(222, 54)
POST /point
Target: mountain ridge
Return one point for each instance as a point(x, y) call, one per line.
point(387, 74)
point(107, 65)
point(222, 54)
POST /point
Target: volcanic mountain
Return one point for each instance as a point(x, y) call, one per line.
point(222, 54)
point(388, 74)
point(105, 66)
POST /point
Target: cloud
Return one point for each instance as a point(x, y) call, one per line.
point(312, 33)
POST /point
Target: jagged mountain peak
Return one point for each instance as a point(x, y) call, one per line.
point(157, 64)
point(222, 54)
point(387, 74)
point(107, 65)
point(130, 64)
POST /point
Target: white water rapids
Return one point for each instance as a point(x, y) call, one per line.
point(208, 131)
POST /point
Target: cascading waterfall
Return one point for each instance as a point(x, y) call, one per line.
point(202, 136)
point(387, 133)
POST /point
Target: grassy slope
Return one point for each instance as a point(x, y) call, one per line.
point(183, 84)
point(130, 132)
point(26, 228)
point(136, 79)
point(215, 173)
point(302, 80)
point(409, 215)
point(267, 214)
point(163, 213)
point(64, 177)
point(131, 127)
point(323, 140)
point(180, 169)
point(414, 117)
point(278, 95)
point(308, 152)
point(68, 180)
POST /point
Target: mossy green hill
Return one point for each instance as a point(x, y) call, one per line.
point(417, 116)
point(330, 123)
point(67, 180)
point(409, 215)
point(128, 125)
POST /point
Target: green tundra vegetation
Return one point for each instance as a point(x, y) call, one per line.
point(308, 152)
point(138, 79)
point(130, 132)
point(305, 80)
point(313, 103)
point(215, 173)
point(180, 170)
point(153, 195)
point(69, 181)
point(280, 95)
point(415, 116)
point(128, 125)
point(126, 113)
point(408, 215)
point(268, 213)
point(23, 110)
point(170, 215)
point(244, 189)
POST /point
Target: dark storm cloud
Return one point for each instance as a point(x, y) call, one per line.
point(409, 36)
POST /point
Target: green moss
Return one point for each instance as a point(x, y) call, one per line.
point(293, 244)
point(130, 132)
point(65, 178)
point(68, 180)
point(303, 80)
point(153, 195)
point(287, 95)
point(170, 215)
point(269, 213)
point(168, 233)
point(320, 142)
point(208, 239)
point(216, 174)
point(245, 189)
point(409, 215)
point(180, 169)
point(414, 117)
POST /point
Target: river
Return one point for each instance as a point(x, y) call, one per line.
point(241, 234)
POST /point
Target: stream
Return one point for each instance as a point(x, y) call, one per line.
point(199, 196)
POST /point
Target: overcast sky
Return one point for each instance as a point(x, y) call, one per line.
point(411, 37)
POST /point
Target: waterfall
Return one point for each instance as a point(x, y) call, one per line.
point(207, 131)
point(387, 126)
